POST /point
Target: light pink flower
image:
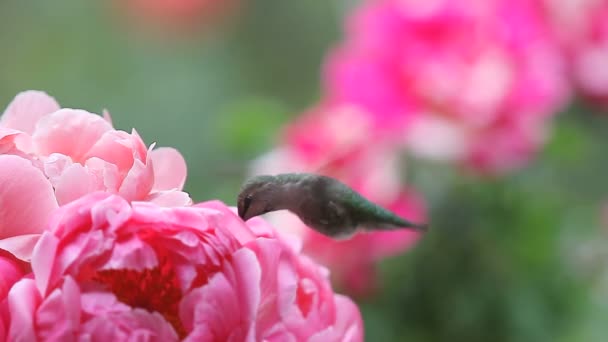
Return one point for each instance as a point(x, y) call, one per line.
point(484, 73)
point(51, 156)
point(110, 270)
point(582, 28)
point(341, 142)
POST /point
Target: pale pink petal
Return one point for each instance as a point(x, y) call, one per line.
point(15, 142)
point(230, 221)
point(7, 140)
point(42, 261)
point(138, 182)
point(132, 254)
point(170, 198)
point(106, 116)
point(26, 109)
point(348, 320)
point(23, 300)
point(139, 147)
point(107, 175)
point(110, 320)
point(116, 147)
point(213, 313)
point(69, 131)
point(169, 169)
point(102, 303)
point(75, 182)
point(21, 246)
point(26, 197)
point(248, 274)
point(55, 165)
point(58, 317)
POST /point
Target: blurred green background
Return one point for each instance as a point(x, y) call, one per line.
point(520, 258)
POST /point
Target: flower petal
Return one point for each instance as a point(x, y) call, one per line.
point(170, 198)
point(20, 246)
point(26, 109)
point(11, 273)
point(58, 317)
point(75, 182)
point(69, 131)
point(26, 200)
point(170, 169)
point(116, 147)
point(23, 299)
point(138, 182)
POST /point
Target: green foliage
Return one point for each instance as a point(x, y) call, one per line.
point(249, 127)
point(489, 270)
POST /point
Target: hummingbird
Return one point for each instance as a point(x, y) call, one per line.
point(323, 203)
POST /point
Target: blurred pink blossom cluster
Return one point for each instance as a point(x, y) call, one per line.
point(581, 27)
point(98, 242)
point(471, 82)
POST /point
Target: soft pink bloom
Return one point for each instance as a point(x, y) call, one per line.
point(582, 28)
point(484, 73)
point(51, 156)
point(341, 142)
point(176, 15)
point(330, 135)
point(110, 270)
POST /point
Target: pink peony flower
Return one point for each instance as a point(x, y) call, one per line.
point(582, 29)
point(51, 156)
point(453, 77)
point(110, 270)
point(341, 142)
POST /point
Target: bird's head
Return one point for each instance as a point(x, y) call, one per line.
point(258, 196)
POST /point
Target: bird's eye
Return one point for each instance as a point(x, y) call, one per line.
point(247, 203)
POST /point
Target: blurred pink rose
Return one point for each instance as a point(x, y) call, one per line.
point(453, 77)
point(582, 28)
point(110, 270)
point(181, 16)
point(341, 142)
point(51, 156)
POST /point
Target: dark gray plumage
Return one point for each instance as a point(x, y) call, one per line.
point(322, 203)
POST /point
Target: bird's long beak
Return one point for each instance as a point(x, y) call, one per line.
point(241, 211)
